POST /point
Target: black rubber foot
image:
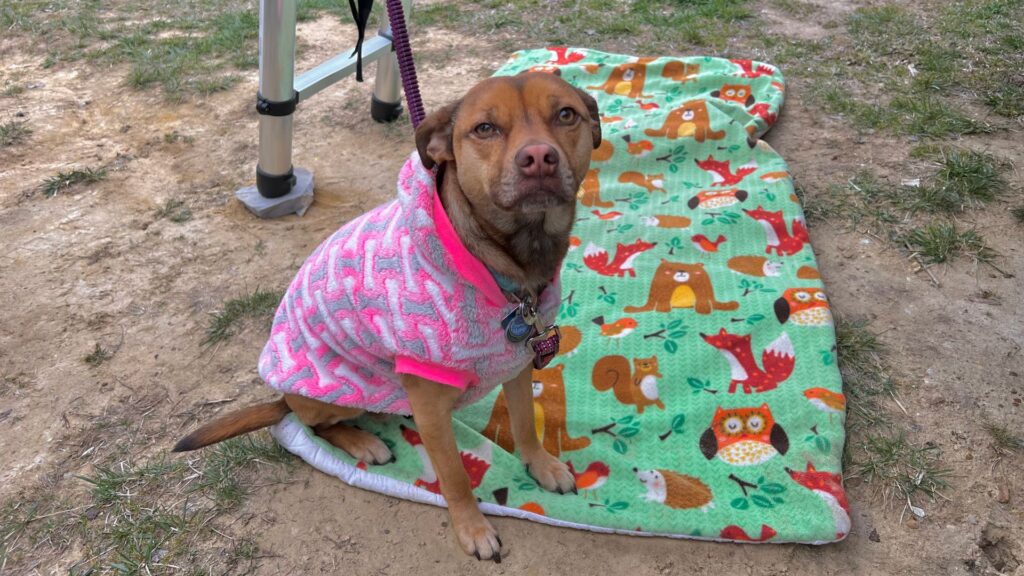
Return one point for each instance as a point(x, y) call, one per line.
point(384, 112)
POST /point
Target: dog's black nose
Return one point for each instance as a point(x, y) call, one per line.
point(537, 160)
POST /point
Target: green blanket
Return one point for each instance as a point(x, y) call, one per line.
point(696, 393)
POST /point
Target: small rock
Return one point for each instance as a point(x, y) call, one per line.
point(913, 524)
point(972, 519)
point(92, 512)
point(1004, 494)
point(969, 456)
point(873, 536)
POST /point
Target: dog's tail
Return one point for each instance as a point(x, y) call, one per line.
point(234, 424)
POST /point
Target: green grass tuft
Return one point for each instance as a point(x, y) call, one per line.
point(13, 132)
point(1003, 439)
point(98, 356)
point(900, 469)
point(941, 241)
point(259, 304)
point(220, 479)
point(174, 210)
point(1018, 213)
point(64, 180)
point(965, 178)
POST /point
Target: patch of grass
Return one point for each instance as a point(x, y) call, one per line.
point(13, 132)
point(965, 178)
point(174, 137)
point(146, 516)
point(941, 241)
point(174, 210)
point(1003, 438)
point(221, 481)
point(651, 25)
point(259, 304)
point(11, 89)
point(925, 115)
point(98, 356)
point(64, 180)
point(864, 376)
point(796, 7)
point(900, 469)
point(181, 48)
point(1018, 213)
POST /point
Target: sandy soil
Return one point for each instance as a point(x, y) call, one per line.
point(96, 265)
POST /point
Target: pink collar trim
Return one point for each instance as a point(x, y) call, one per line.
point(466, 265)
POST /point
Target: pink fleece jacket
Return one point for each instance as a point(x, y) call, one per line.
point(393, 292)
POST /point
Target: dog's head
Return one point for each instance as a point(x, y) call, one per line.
point(520, 144)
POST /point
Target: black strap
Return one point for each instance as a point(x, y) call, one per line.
point(361, 14)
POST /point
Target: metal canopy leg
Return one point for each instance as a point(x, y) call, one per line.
point(281, 188)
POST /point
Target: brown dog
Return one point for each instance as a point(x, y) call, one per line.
point(510, 157)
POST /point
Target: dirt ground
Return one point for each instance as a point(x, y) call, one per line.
point(96, 265)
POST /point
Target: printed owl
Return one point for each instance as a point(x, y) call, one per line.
point(744, 436)
point(804, 307)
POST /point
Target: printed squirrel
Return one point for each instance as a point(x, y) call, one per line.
point(637, 385)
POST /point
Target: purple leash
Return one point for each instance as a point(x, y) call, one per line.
point(406, 67)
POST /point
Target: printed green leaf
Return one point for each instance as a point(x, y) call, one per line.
point(760, 480)
point(671, 346)
point(618, 506)
point(740, 503)
point(677, 334)
point(778, 500)
point(823, 444)
point(620, 447)
point(827, 358)
point(678, 422)
point(697, 384)
point(707, 221)
point(773, 488)
point(626, 419)
point(761, 501)
point(526, 486)
point(675, 324)
point(673, 168)
point(629, 432)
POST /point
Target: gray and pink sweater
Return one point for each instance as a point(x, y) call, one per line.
point(393, 292)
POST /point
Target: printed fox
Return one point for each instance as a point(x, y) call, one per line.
point(778, 360)
point(722, 175)
point(561, 55)
point(779, 239)
point(747, 69)
point(596, 258)
point(650, 182)
point(734, 532)
point(828, 487)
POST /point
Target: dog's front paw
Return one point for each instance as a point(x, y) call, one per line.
point(551, 473)
point(478, 537)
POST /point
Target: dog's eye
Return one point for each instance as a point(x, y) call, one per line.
point(484, 129)
point(566, 115)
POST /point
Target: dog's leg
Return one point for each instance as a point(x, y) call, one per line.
point(328, 421)
point(550, 472)
point(432, 405)
point(359, 444)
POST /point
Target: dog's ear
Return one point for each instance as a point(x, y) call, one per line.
point(595, 115)
point(434, 136)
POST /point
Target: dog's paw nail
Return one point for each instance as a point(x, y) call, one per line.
point(497, 558)
point(393, 459)
point(477, 554)
point(500, 545)
point(575, 491)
